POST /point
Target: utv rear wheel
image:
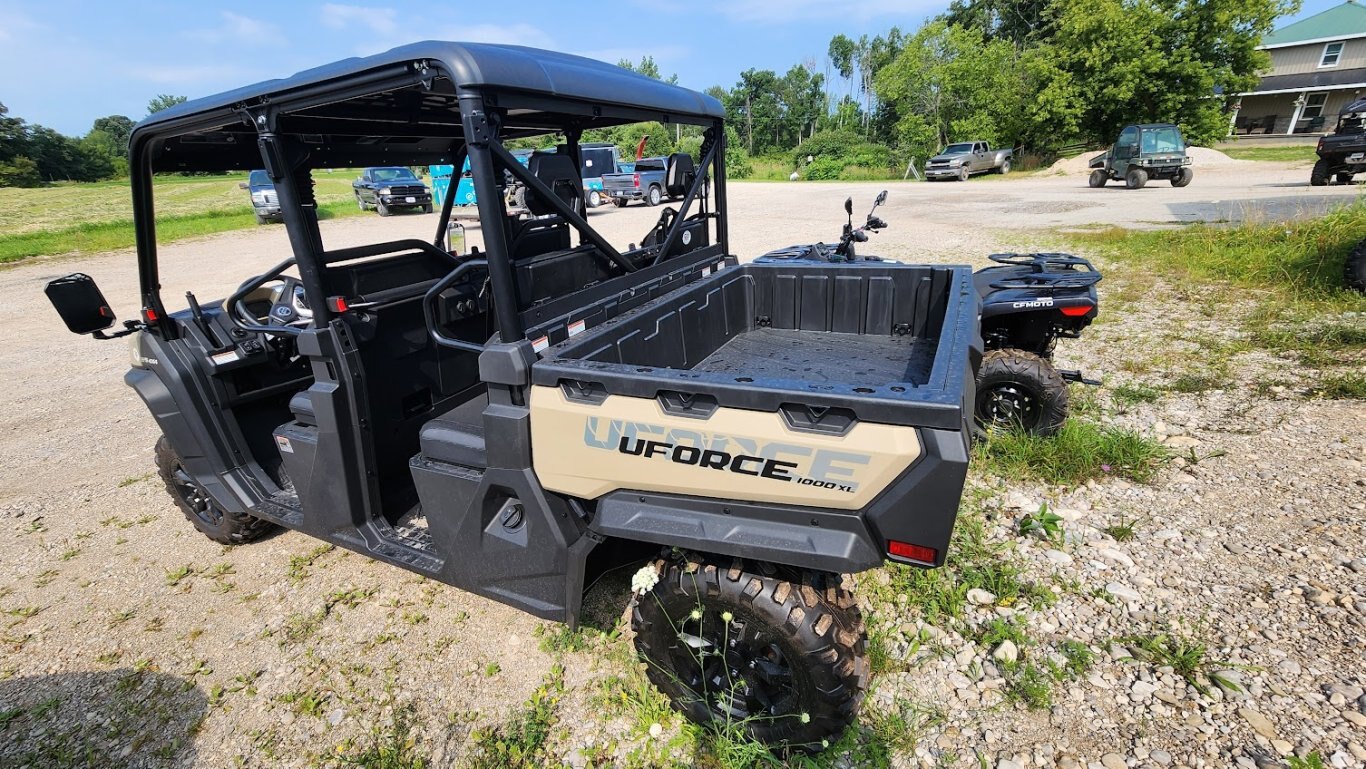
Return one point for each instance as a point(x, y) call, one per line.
point(1020, 390)
point(1136, 178)
point(1354, 271)
point(776, 652)
point(1183, 177)
point(1319, 176)
point(212, 521)
point(1098, 178)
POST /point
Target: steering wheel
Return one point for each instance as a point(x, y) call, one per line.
point(288, 303)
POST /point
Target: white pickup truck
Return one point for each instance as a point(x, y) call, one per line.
point(961, 160)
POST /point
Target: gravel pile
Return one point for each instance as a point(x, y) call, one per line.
point(1201, 157)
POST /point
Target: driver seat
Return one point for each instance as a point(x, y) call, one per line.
point(680, 174)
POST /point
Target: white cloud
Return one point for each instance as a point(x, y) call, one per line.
point(181, 75)
point(381, 21)
point(240, 30)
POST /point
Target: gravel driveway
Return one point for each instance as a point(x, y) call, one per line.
point(128, 639)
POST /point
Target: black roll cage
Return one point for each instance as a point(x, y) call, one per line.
point(486, 116)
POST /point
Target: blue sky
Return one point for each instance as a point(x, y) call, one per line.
point(66, 63)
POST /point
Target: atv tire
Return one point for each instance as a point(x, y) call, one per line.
point(1183, 177)
point(1136, 178)
point(780, 653)
point(1319, 176)
point(212, 521)
point(1354, 269)
point(1020, 390)
point(1098, 178)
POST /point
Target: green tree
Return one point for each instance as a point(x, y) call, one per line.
point(1158, 60)
point(116, 127)
point(164, 101)
point(648, 68)
point(1018, 21)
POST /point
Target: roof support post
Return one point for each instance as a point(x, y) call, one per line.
point(481, 138)
point(1299, 110)
point(286, 163)
point(719, 165)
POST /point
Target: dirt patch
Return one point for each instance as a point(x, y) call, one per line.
point(1201, 157)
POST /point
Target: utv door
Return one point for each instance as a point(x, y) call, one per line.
point(1125, 150)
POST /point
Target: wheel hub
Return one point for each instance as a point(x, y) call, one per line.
point(1009, 405)
point(194, 497)
point(734, 666)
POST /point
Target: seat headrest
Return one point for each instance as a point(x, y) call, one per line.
point(557, 172)
point(680, 174)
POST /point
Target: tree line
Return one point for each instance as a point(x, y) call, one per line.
point(32, 154)
point(1037, 75)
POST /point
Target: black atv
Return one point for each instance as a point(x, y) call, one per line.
point(1028, 302)
point(1342, 154)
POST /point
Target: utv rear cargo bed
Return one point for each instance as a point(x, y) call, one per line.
point(891, 343)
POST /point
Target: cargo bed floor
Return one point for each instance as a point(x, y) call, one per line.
point(824, 356)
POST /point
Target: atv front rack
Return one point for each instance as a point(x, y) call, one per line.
point(1050, 272)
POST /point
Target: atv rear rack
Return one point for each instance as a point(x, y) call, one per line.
point(1051, 272)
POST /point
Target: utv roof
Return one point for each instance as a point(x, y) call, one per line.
point(412, 91)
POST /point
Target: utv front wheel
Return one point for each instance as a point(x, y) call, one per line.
point(1020, 390)
point(212, 521)
point(1098, 178)
point(1354, 271)
point(1136, 178)
point(777, 653)
point(1319, 176)
point(1183, 177)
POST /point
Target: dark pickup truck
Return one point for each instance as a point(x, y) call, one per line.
point(645, 183)
point(1342, 154)
point(385, 189)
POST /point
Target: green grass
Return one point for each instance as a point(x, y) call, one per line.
point(1133, 393)
point(520, 743)
point(1341, 386)
point(1079, 452)
point(1285, 154)
point(95, 237)
point(1187, 657)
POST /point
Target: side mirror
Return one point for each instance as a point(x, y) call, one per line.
point(243, 186)
point(79, 301)
point(881, 198)
point(849, 206)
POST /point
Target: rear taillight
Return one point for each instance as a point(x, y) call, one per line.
point(1077, 311)
point(917, 553)
point(636, 179)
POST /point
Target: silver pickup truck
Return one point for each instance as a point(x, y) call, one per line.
point(961, 160)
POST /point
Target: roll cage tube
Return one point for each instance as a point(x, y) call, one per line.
point(449, 203)
point(480, 136)
point(524, 175)
point(677, 226)
point(429, 307)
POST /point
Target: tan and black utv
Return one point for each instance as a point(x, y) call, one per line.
point(513, 419)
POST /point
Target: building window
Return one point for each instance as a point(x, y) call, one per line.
point(1313, 105)
point(1331, 53)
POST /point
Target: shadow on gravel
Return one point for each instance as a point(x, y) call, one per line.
point(116, 718)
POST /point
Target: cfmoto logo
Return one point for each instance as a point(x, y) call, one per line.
point(1045, 301)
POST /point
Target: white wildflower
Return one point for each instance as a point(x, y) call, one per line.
point(645, 579)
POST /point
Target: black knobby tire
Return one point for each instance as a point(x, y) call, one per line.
point(1098, 178)
point(1183, 177)
point(792, 664)
point(1319, 176)
point(1135, 178)
point(1020, 390)
point(653, 196)
point(1354, 270)
point(1343, 178)
point(212, 521)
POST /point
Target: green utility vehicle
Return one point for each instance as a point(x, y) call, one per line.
point(1144, 152)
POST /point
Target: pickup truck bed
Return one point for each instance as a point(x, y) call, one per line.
point(771, 353)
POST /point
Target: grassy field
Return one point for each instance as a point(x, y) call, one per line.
point(90, 217)
point(1286, 154)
